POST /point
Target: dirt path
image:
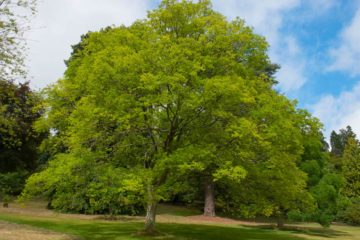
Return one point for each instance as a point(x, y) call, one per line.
point(9, 231)
point(38, 209)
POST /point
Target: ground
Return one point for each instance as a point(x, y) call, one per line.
point(33, 221)
point(11, 231)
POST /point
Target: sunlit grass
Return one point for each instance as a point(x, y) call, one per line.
point(92, 229)
point(173, 224)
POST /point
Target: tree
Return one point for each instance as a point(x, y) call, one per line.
point(337, 143)
point(339, 140)
point(13, 25)
point(351, 189)
point(181, 91)
point(275, 185)
point(20, 107)
point(18, 104)
point(351, 168)
point(329, 199)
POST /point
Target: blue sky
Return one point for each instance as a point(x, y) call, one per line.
point(317, 43)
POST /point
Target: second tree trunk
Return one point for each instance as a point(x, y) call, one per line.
point(209, 208)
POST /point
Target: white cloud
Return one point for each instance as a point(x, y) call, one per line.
point(292, 73)
point(59, 24)
point(339, 111)
point(346, 57)
point(265, 16)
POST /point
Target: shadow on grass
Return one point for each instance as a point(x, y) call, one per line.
point(96, 230)
point(177, 210)
point(206, 232)
point(311, 231)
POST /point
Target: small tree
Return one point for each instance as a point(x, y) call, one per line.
point(351, 168)
point(338, 143)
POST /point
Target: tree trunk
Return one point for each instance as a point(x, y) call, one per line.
point(280, 221)
point(150, 218)
point(209, 208)
point(150, 211)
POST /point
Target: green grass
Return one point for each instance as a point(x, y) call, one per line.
point(91, 229)
point(177, 210)
point(174, 225)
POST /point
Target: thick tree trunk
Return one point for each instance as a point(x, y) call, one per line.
point(209, 208)
point(150, 211)
point(280, 221)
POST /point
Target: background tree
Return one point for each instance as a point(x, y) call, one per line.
point(350, 213)
point(18, 104)
point(20, 107)
point(327, 182)
point(351, 168)
point(13, 25)
point(338, 142)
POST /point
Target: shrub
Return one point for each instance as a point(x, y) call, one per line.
point(352, 213)
point(12, 183)
point(80, 185)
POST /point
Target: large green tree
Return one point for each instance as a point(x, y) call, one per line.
point(182, 91)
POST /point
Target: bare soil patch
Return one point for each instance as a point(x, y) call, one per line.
point(38, 209)
point(9, 231)
point(205, 219)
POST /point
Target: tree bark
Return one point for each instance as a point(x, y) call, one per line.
point(209, 208)
point(150, 218)
point(150, 211)
point(280, 221)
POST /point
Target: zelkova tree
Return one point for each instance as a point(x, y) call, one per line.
point(274, 185)
point(174, 93)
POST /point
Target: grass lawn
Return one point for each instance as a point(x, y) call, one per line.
point(92, 229)
point(82, 228)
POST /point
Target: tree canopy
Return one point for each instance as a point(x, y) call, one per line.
point(182, 92)
point(19, 109)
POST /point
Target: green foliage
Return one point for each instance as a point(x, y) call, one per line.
point(174, 91)
point(275, 185)
point(351, 214)
point(18, 110)
point(315, 158)
point(20, 107)
point(75, 184)
point(12, 183)
point(180, 94)
point(338, 142)
point(327, 194)
point(314, 171)
point(351, 168)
